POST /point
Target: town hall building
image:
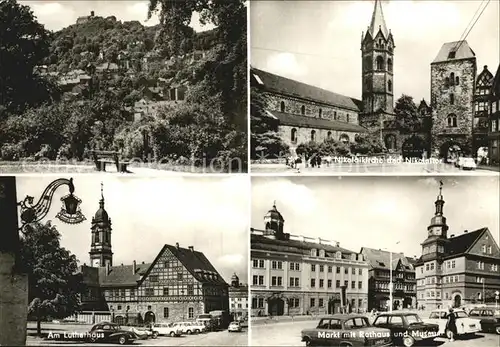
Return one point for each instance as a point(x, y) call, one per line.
point(178, 284)
point(457, 269)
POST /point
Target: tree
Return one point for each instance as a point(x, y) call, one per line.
point(407, 116)
point(24, 44)
point(367, 144)
point(332, 147)
point(54, 284)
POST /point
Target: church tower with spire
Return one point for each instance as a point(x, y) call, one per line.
point(100, 248)
point(377, 51)
point(434, 246)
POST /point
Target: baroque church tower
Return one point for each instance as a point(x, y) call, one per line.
point(435, 245)
point(100, 248)
point(377, 50)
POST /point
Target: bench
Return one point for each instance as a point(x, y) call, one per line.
point(101, 158)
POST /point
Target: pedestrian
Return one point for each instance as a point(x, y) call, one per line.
point(451, 326)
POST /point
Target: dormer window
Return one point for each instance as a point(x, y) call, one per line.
point(338, 255)
point(314, 252)
point(322, 253)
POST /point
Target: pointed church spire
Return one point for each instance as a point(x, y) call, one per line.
point(378, 21)
point(101, 202)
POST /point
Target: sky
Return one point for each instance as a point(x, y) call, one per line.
point(56, 15)
point(318, 42)
point(208, 213)
point(376, 212)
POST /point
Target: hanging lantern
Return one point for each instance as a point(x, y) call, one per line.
point(70, 211)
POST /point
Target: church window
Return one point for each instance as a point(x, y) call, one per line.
point(97, 239)
point(335, 115)
point(329, 135)
point(457, 80)
point(452, 99)
point(344, 138)
point(320, 112)
point(452, 120)
point(380, 63)
point(447, 82)
point(347, 118)
point(282, 106)
point(293, 136)
point(389, 85)
point(389, 64)
point(313, 135)
point(303, 110)
point(452, 78)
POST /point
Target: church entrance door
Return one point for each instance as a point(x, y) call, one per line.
point(149, 317)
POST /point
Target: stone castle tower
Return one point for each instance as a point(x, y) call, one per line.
point(100, 248)
point(377, 50)
point(453, 74)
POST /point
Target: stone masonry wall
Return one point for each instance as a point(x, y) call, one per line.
point(293, 106)
point(177, 311)
point(463, 102)
point(13, 303)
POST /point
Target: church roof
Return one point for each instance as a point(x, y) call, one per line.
point(262, 243)
point(380, 259)
point(286, 86)
point(378, 21)
point(316, 123)
point(461, 50)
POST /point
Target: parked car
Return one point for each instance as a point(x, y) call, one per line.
point(234, 327)
point(406, 328)
point(167, 329)
point(466, 163)
point(489, 318)
point(110, 332)
point(465, 325)
point(348, 330)
point(208, 322)
point(141, 334)
point(190, 327)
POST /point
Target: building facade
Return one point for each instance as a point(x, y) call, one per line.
point(458, 269)
point(179, 284)
point(297, 275)
point(480, 127)
point(303, 113)
point(494, 120)
point(238, 299)
point(403, 280)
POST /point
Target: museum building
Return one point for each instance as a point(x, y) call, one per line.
point(458, 269)
point(179, 284)
point(298, 275)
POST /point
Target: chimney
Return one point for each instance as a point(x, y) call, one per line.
point(134, 267)
point(92, 13)
point(191, 248)
point(177, 245)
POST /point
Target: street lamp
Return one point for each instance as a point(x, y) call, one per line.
point(70, 212)
point(390, 279)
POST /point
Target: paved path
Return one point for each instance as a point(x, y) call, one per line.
point(219, 338)
point(288, 334)
point(403, 168)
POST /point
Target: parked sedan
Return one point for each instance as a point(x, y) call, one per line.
point(167, 329)
point(466, 163)
point(110, 332)
point(465, 325)
point(234, 327)
point(348, 330)
point(406, 328)
point(489, 318)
